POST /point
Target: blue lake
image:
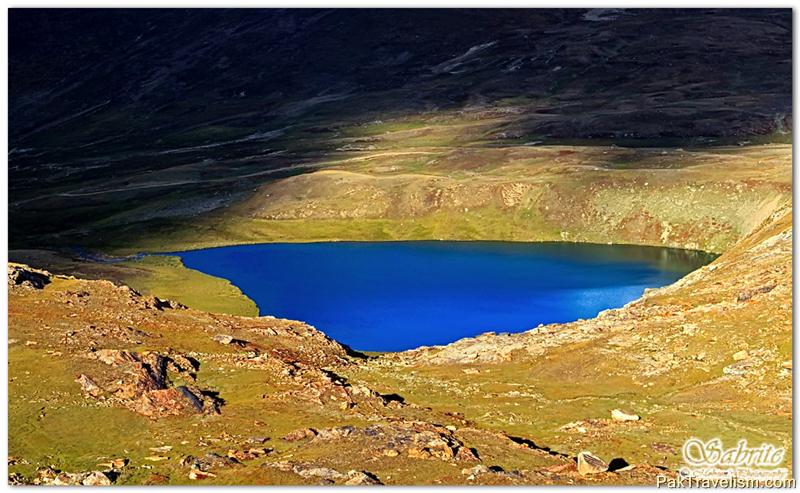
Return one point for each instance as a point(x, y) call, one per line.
point(400, 295)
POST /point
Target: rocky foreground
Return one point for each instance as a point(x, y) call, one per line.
point(108, 386)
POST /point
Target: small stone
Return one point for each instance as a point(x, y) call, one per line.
point(787, 365)
point(418, 453)
point(325, 473)
point(618, 415)
point(16, 479)
point(66, 479)
point(88, 385)
point(249, 454)
point(741, 355)
point(589, 463)
point(223, 339)
point(198, 474)
point(739, 368)
point(475, 471)
point(156, 458)
point(162, 449)
point(96, 478)
point(300, 434)
point(360, 478)
point(390, 452)
point(214, 460)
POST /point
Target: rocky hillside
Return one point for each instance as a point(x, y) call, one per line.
point(710, 355)
point(704, 200)
point(108, 386)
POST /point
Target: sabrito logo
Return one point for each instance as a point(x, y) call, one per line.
point(710, 464)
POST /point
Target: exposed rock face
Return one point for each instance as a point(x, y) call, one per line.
point(89, 386)
point(142, 383)
point(22, 275)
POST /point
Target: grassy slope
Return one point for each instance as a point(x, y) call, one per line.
point(162, 276)
point(702, 199)
point(168, 278)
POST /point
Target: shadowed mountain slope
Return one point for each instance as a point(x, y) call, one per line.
point(113, 110)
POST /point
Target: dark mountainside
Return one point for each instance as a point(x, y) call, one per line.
point(241, 97)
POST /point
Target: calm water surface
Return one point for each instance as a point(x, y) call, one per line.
point(399, 295)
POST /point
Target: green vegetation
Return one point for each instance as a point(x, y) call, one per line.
point(167, 278)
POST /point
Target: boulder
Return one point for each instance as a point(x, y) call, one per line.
point(741, 355)
point(224, 339)
point(174, 401)
point(96, 478)
point(144, 383)
point(22, 275)
point(618, 415)
point(589, 463)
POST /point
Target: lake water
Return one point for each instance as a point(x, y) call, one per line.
point(400, 295)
